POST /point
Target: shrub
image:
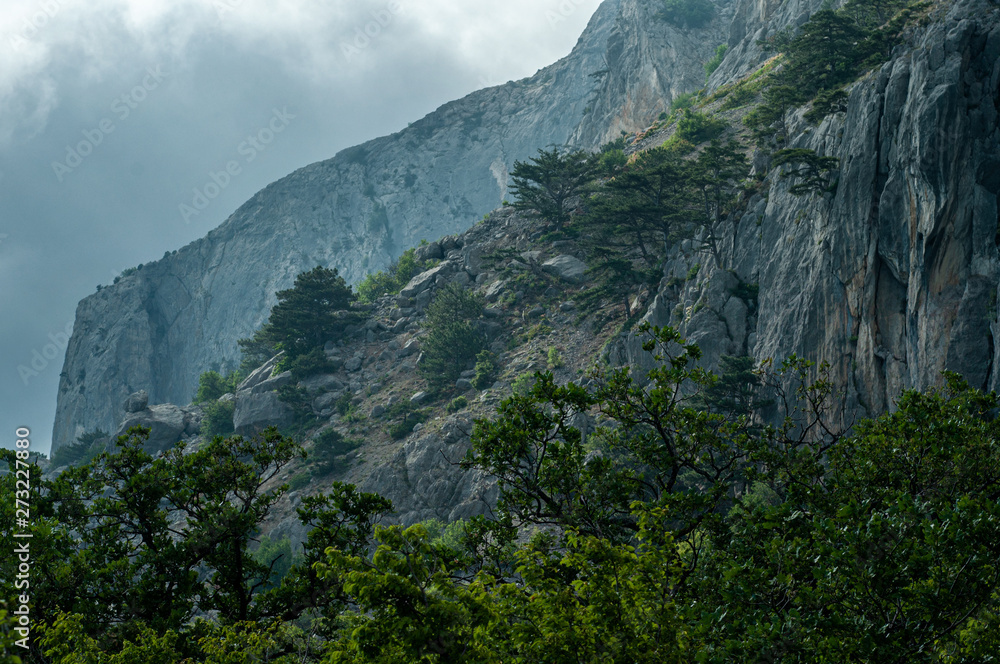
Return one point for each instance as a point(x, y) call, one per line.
point(486, 370)
point(86, 447)
point(698, 128)
point(554, 358)
point(327, 446)
point(713, 64)
point(452, 341)
point(298, 481)
point(457, 404)
point(217, 418)
point(212, 385)
point(392, 280)
point(312, 363)
point(407, 415)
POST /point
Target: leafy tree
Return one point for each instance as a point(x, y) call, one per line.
point(812, 169)
point(688, 13)
point(717, 173)
point(217, 418)
point(716, 61)
point(696, 128)
point(306, 316)
point(452, 341)
point(212, 385)
point(547, 183)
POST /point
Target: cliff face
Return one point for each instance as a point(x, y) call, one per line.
point(894, 277)
point(160, 328)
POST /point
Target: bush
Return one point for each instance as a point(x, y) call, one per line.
point(713, 64)
point(408, 416)
point(688, 13)
point(554, 358)
point(452, 341)
point(327, 446)
point(457, 404)
point(212, 385)
point(312, 363)
point(86, 447)
point(217, 418)
point(486, 370)
point(392, 280)
point(698, 128)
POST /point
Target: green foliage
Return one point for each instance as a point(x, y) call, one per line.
point(688, 13)
point(86, 447)
point(452, 341)
point(217, 418)
point(697, 128)
point(308, 364)
point(405, 415)
point(329, 444)
point(546, 184)
point(457, 404)
point(811, 169)
point(312, 312)
point(682, 102)
point(392, 280)
point(554, 358)
point(275, 555)
point(212, 385)
point(298, 399)
point(827, 103)
point(713, 64)
point(486, 370)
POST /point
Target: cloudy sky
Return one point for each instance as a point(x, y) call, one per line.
point(113, 111)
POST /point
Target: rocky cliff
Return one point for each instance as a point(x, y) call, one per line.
point(893, 278)
point(160, 327)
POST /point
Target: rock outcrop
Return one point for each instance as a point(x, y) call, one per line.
point(893, 278)
point(161, 327)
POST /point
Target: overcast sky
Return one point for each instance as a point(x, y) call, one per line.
point(113, 111)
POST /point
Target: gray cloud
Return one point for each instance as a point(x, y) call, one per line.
point(221, 68)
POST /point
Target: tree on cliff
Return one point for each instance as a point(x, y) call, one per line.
point(545, 184)
point(307, 315)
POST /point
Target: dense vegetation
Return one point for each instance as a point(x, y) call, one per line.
point(391, 280)
point(683, 528)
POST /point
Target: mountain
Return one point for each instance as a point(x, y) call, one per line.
point(160, 327)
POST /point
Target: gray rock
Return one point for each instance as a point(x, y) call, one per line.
point(429, 251)
point(425, 280)
point(462, 278)
point(353, 364)
point(566, 267)
point(271, 384)
point(536, 312)
point(166, 422)
point(260, 374)
point(463, 384)
point(472, 258)
point(137, 401)
point(567, 306)
point(494, 290)
point(324, 402)
point(255, 411)
point(420, 397)
point(377, 411)
point(531, 256)
point(409, 348)
point(322, 383)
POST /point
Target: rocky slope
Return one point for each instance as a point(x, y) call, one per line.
point(159, 328)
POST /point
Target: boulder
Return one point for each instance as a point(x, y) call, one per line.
point(428, 252)
point(412, 346)
point(322, 383)
point(261, 373)
point(568, 268)
point(137, 401)
point(353, 364)
point(463, 384)
point(255, 411)
point(166, 422)
point(272, 384)
point(424, 280)
point(420, 397)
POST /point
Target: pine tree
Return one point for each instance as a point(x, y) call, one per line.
point(546, 184)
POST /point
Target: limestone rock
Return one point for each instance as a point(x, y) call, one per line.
point(166, 423)
point(566, 267)
point(137, 401)
point(255, 411)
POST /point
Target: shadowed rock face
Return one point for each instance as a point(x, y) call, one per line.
point(161, 327)
point(893, 278)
